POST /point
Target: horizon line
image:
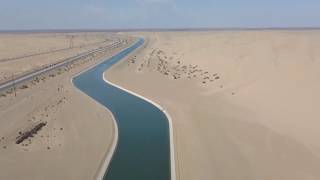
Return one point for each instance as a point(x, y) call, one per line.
point(70, 30)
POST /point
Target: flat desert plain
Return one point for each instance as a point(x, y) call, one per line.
point(23, 52)
point(78, 131)
point(244, 104)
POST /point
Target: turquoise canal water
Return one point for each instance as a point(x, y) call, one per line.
point(143, 150)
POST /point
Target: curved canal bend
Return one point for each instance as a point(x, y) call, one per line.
point(143, 147)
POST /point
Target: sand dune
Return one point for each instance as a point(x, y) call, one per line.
point(244, 104)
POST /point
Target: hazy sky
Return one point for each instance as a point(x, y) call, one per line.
point(80, 14)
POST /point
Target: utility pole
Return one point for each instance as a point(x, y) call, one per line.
point(71, 42)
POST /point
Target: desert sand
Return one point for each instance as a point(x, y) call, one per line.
point(244, 104)
point(77, 132)
point(22, 53)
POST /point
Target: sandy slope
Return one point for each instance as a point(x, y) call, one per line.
point(75, 140)
point(244, 104)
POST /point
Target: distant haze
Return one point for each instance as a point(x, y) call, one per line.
point(128, 14)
